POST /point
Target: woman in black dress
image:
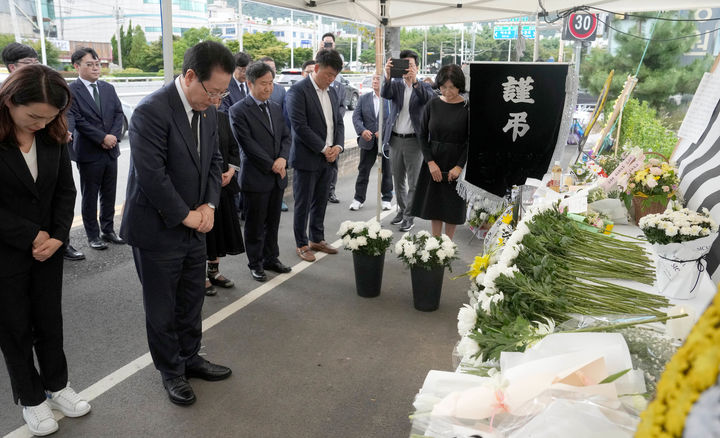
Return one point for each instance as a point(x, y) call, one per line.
point(443, 138)
point(37, 199)
point(226, 236)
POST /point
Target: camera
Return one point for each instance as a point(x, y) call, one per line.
point(328, 45)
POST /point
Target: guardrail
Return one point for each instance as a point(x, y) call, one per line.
point(126, 78)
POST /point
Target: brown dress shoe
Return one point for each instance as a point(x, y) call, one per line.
point(323, 246)
point(305, 254)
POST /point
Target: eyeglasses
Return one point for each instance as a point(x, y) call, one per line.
point(27, 61)
point(215, 95)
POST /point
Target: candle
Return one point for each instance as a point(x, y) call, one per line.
point(680, 328)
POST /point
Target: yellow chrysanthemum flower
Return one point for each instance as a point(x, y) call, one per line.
point(507, 219)
point(479, 266)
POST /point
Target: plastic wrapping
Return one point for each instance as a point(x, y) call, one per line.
point(612, 208)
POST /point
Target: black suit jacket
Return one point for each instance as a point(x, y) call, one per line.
point(235, 96)
point(27, 206)
point(308, 125)
point(364, 117)
point(260, 145)
point(229, 149)
point(167, 178)
point(92, 125)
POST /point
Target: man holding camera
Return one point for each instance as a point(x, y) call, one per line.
point(407, 97)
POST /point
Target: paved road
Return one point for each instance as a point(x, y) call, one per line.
point(310, 358)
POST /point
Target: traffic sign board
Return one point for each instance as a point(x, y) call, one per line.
point(510, 32)
point(580, 27)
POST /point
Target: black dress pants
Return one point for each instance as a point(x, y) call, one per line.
point(31, 316)
point(311, 192)
point(98, 178)
point(367, 160)
point(262, 220)
point(173, 284)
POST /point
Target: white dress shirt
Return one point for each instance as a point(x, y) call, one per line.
point(89, 87)
point(403, 123)
point(188, 109)
point(326, 105)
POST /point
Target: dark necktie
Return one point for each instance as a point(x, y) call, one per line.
point(266, 111)
point(96, 95)
point(194, 127)
point(242, 89)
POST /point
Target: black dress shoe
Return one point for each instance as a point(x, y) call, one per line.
point(278, 267)
point(73, 254)
point(97, 243)
point(112, 237)
point(258, 274)
point(208, 371)
point(179, 391)
point(333, 199)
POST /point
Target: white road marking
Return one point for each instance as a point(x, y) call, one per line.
point(108, 382)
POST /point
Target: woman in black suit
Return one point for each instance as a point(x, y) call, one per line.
point(226, 235)
point(37, 197)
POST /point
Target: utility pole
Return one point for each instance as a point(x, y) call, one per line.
point(472, 51)
point(39, 14)
point(292, 40)
point(239, 27)
point(13, 17)
point(462, 45)
point(62, 21)
point(455, 49)
point(167, 39)
point(425, 50)
point(118, 32)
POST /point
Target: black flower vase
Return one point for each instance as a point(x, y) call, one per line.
point(427, 287)
point(368, 273)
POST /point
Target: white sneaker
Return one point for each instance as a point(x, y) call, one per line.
point(68, 402)
point(386, 206)
point(355, 205)
point(40, 419)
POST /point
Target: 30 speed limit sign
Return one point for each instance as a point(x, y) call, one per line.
point(580, 27)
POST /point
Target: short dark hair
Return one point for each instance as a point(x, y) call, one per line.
point(206, 56)
point(407, 53)
point(329, 58)
point(328, 34)
point(452, 73)
point(35, 84)
point(257, 70)
point(266, 59)
point(242, 59)
point(308, 62)
point(14, 52)
point(80, 54)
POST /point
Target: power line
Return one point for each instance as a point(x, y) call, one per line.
point(659, 40)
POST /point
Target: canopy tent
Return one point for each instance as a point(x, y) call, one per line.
point(436, 12)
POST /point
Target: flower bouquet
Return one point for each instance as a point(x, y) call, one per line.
point(368, 243)
point(681, 239)
point(481, 218)
point(652, 187)
point(427, 257)
point(587, 171)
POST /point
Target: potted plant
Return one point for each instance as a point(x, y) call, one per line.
point(426, 256)
point(368, 243)
point(652, 187)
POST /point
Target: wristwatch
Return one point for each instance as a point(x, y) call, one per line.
point(211, 205)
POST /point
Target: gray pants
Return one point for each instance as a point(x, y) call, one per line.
point(405, 160)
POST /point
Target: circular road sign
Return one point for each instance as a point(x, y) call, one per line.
point(582, 26)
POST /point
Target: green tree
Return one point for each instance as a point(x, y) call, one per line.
point(137, 49)
point(152, 58)
point(52, 53)
point(126, 40)
point(367, 56)
point(660, 75)
point(232, 45)
point(189, 39)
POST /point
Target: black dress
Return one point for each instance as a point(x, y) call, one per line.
point(226, 235)
point(443, 139)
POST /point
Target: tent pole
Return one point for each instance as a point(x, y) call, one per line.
point(167, 39)
point(380, 69)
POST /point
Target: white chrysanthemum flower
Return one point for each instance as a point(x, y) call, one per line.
point(671, 231)
point(545, 329)
point(344, 227)
point(372, 234)
point(424, 255)
point(467, 317)
point(353, 244)
point(445, 238)
point(423, 233)
point(410, 250)
point(406, 236)
point(385, 234)
point(467, 347)
point(686, 230)
point(447, 245)
point(450, 252)
point(441, 254)
point(411, 261)
point(361, 240)
point(358, 227)
point(480, 278)
point(399, 247)
point(346, 239)
point(431, 244)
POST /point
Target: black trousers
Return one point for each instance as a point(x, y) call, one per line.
point(262, 220)
point(173, 284)
point(98, 178)
point(311, 192)
point(31, 316)
point(367, 160)
point(333, 177)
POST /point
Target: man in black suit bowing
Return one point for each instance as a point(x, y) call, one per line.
point(173, 187)
point(97, 117)
point(318, 138)
point(264, 138)
point(237, 88)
